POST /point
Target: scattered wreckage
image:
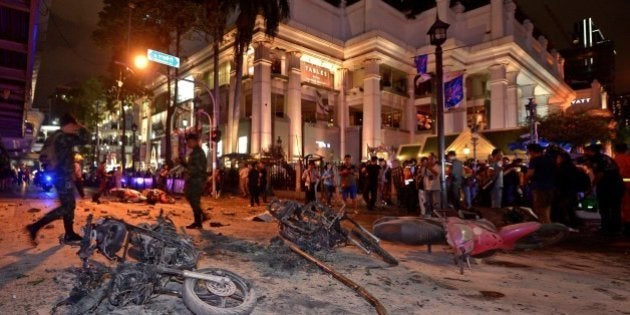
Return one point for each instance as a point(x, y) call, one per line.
point(314, 227)
point(162, 258)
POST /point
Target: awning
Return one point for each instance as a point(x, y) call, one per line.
point(501, 139)
point(431, 143)
point(409, 151)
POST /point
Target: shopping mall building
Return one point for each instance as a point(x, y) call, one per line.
point(340, 80)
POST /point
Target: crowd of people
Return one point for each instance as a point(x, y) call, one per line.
point(552, 182)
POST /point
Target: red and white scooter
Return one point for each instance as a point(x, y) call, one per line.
point(480, 238)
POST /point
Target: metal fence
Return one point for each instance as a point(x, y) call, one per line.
point(281, 175)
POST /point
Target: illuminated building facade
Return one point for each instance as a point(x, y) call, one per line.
point(339, 79)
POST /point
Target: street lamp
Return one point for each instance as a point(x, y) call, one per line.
point(437, 36)
point(530, 110)
point(119, 83)
point(474, 140)
point(466, 151)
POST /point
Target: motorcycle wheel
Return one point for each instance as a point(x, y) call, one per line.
point(369, 243)
point(201, 300)
point(546, 235)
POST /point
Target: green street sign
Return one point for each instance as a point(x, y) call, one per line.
point(163, 58)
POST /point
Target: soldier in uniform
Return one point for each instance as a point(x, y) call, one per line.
point(196, 178)
point(70, 135)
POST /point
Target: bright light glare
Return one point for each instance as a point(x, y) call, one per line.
point(141, 62)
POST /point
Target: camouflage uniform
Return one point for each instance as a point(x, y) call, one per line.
point(195, 181)
point(63, 181)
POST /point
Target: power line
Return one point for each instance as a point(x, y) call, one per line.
point(65, 40)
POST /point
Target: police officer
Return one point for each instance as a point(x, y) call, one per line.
point(70, 134)
point(196, 178)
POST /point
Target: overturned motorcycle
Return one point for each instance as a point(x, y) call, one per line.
point(314, 227)
point(163, 257)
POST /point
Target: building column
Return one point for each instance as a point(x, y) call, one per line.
point(498, 91)
point(261, 99)
point(511, 108)
point(294, 105)
point(497, 16)
point(342, 110)
point(231, 139)
point(410, 113)
point(510, 10)
point(442, 7)
point(371, 129)
point(527, 92)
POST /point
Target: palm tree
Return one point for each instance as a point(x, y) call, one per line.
point(273, 12)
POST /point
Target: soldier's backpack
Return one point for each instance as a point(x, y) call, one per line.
point(47, 156)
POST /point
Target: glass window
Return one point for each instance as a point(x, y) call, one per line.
point(424, 88)
point(277, 103)
point(185, 89)
point(424, 118)
point(476, 118)
point(390, 118)
point(242, 145)
point(393, 79)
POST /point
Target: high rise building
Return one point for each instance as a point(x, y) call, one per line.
point(19, 28)
point(592, 57)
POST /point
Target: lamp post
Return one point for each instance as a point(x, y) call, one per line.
point(124, 122)
point(119, 83)
point(134, 128)
point(530, 109)
point(474, 140)
point(437, 36)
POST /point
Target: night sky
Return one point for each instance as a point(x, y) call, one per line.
point(69, 54)
point(612, 17)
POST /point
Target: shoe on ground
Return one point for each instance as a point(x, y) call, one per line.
point(72, 237)
point(194, 226)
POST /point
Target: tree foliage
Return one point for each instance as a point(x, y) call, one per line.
point(131, 27)
point(87, 102)
point(576, 128)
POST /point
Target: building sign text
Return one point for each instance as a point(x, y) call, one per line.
point(584, 100)
point(316, 74)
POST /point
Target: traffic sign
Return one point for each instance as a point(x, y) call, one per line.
point(163, 58)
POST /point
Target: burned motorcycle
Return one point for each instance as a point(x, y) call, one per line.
point(163, 257)
point(314, 226)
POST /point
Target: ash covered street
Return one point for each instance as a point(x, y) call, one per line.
point(583, 275)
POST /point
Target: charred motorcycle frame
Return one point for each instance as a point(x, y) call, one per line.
point(162, 257)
